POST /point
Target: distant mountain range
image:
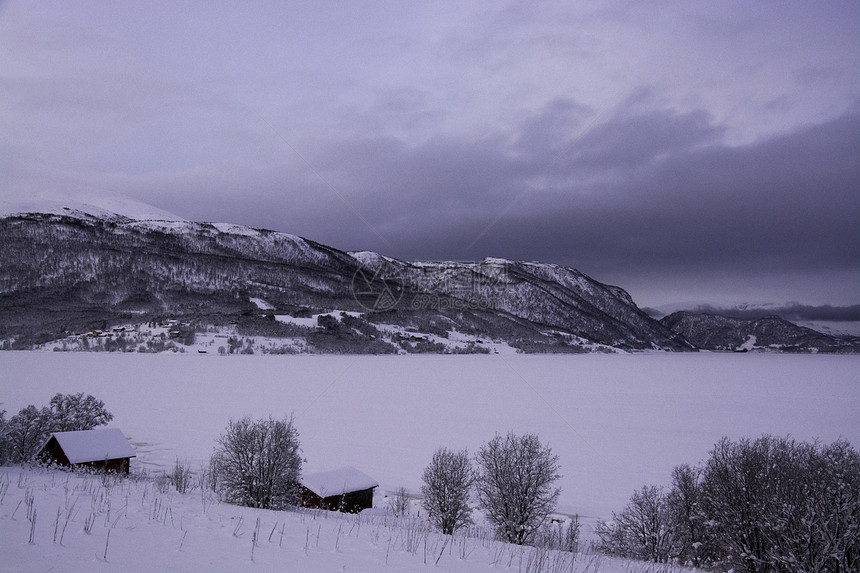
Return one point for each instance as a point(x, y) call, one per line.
point(715, 332)
point(76, 274)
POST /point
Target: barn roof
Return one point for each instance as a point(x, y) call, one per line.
point(338, 482)
point(94, 445)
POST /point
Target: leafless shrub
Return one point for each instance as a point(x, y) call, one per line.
point(4, 487)
point(398, 503)
point(559, 536)
point(777, 504)
point(5, 452)
point(162, 483)
point(642, 530)
point(769, 504)
point(180, 476)
point(256, 463)
point(684, 503)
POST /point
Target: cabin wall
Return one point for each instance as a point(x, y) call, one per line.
point(52, 453)
point(118, 465)
point(351, 502)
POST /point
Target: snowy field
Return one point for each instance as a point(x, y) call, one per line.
point(617, 422)
point(55, 521)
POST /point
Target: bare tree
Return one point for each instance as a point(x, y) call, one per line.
point(257, 463)
point(515, 484)
point(447, 484)
point(642, 530)
point(74, 412)
point(27, 432)
point(684, 502)
point(4, 439)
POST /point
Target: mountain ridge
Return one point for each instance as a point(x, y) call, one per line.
point(723, 333)
point(76, 269)
point(109, 268)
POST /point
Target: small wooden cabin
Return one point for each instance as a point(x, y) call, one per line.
point(106, 450)
point(344, 489)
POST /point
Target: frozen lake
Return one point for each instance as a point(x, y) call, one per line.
point(617, 422)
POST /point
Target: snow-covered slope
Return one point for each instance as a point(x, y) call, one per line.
point(80, 266)
point(100, 206)
point(546, 294)
point(107, 524)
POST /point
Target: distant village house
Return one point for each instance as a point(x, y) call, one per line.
point(106, 450)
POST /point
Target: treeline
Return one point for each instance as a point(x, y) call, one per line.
point(771, 504)
point(511, 480)
point(25, 433)
point(766, 505)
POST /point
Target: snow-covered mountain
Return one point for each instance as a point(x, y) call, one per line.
point(72, 268)
point(716, 332)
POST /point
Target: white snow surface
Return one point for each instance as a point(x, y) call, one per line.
point(261, 304)
point(231, 229)
point(617, 422)
point(94, 445)
point(749, 343)
point(313, 320)
point(93, 204)
point(338, 481)
point(85, 523)
point(369, 257)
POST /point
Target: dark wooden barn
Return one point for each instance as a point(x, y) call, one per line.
point(345, 489)
point(106, 450)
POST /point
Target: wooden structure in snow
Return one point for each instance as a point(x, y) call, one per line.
point(106, 450)
point(344, 489)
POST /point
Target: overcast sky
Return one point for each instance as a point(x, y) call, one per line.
point(690, 152)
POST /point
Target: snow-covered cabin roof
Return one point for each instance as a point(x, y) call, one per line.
point(338, 482)
point(94, 445)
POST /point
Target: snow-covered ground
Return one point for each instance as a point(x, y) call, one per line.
point(55, 521)
point(309, 321)
point(169, 336)
point(617, 422)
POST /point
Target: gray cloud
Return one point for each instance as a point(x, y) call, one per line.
point(684, 154)
point(686, 204)
point(682, 200)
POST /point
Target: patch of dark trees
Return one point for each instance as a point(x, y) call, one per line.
point(771, 504)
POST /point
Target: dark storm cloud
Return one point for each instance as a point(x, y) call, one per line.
point(683, 149)
point(654, 192)
point(633, 140)
point(653, 189)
